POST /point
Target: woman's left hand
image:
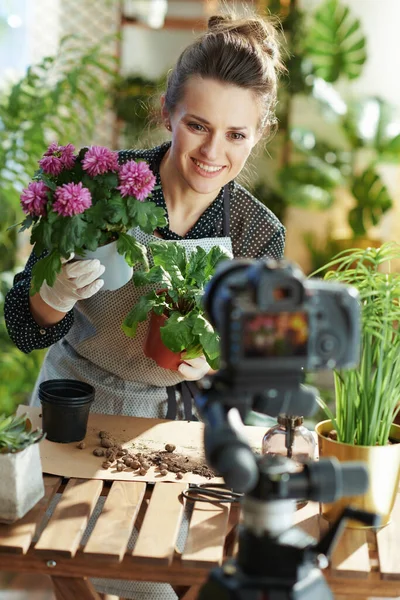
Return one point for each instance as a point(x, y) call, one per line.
point(194, 369)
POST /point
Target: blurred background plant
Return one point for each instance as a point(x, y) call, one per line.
point(349, 137)
point(61, 98)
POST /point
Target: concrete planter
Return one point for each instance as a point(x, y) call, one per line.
point(21, 483)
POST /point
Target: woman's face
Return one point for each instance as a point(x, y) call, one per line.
point(214, 129)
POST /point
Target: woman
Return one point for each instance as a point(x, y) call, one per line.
point(219, 102)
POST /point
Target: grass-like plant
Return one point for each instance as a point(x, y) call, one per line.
point(367, 397)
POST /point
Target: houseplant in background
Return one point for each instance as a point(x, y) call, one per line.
point(21, 479)
point(178, 323)
point(62, 96)
point(366, 398)
point(337, 156)
point(79, 203)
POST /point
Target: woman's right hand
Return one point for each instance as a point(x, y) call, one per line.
point(77, 280)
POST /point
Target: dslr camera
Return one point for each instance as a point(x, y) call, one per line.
point(274, 324)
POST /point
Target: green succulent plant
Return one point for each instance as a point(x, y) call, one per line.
point(16, 433)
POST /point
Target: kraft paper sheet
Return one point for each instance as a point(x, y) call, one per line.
point(134, 433)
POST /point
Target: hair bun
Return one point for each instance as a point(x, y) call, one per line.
point(216, 21)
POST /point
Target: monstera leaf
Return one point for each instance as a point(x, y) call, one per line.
point(371, 123)
point(336, 44)
point(373, 200)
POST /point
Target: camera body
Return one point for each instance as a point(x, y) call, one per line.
point(274, 323)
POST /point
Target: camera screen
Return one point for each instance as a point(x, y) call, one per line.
point(275, 334)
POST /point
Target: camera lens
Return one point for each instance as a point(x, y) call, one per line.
point(328, 344)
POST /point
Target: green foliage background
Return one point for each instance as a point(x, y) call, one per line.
point(60, 99)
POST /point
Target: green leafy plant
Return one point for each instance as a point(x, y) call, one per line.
point(178, 287)
point(367, 397)
point(348, 138)
point(61, 97)
point(78, 203)
point(16, 433)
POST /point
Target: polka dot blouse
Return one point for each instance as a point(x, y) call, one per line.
point(255, 232)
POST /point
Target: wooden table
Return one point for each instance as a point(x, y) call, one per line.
point(365, 563)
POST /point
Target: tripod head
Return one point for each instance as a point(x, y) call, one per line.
point(273, 325)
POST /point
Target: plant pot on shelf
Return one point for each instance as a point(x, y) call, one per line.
point(21, 483)
point(383, 464)
point(117, 271)
point(154, 347)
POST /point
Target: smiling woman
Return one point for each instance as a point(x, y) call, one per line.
point(219, 102)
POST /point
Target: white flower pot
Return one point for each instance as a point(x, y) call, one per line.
point(21, 483)
point(117, 272)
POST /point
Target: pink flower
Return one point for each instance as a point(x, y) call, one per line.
point(56, 158)
point(51, 165)
point(67, 156)
point(99, 160)
point(71, 199)
point(34, 199)
point(136, 179)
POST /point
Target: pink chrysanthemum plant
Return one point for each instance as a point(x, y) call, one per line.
point(78, 202)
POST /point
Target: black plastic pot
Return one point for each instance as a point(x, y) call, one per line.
point(65, 409)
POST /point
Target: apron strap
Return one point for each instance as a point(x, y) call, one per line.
point(226, 211)
point(188, 391)
point(171, 400)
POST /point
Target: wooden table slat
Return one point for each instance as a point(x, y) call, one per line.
point(18, 536)
point(70, 518)
point(351, 556)
point(388, 543)
point(207, 531)
point(113, 528)
point(160, 528)
point(309, 520)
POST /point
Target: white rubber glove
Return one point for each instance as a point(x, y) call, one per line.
point(76, 281)
point(194, 369)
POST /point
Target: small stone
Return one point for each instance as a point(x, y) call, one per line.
point(135, 464)
point(98, 452)
point(163, 472)
point(120, 466)
point(179, 476)
point(142, 471)
point(106, 464)
point(163, 466)
point(103, 434)
point(106, 443)
point(170, 447)
point(81, 445)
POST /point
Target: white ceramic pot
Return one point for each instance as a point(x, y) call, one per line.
point(117, 272)
point(21, 483)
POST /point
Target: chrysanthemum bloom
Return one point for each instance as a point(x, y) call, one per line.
point(71, 199)
point(136, 179)
point(67, 156)
point(34, 199)
point(51, 165)
point(56, 158)
point(99, 160)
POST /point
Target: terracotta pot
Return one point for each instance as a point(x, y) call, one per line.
point(383, 464)
point(154, 347)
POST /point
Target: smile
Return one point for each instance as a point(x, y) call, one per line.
point(206, 168)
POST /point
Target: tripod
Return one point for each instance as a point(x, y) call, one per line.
point(275, 561)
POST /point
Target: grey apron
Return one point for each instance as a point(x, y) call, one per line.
point(97, 351)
